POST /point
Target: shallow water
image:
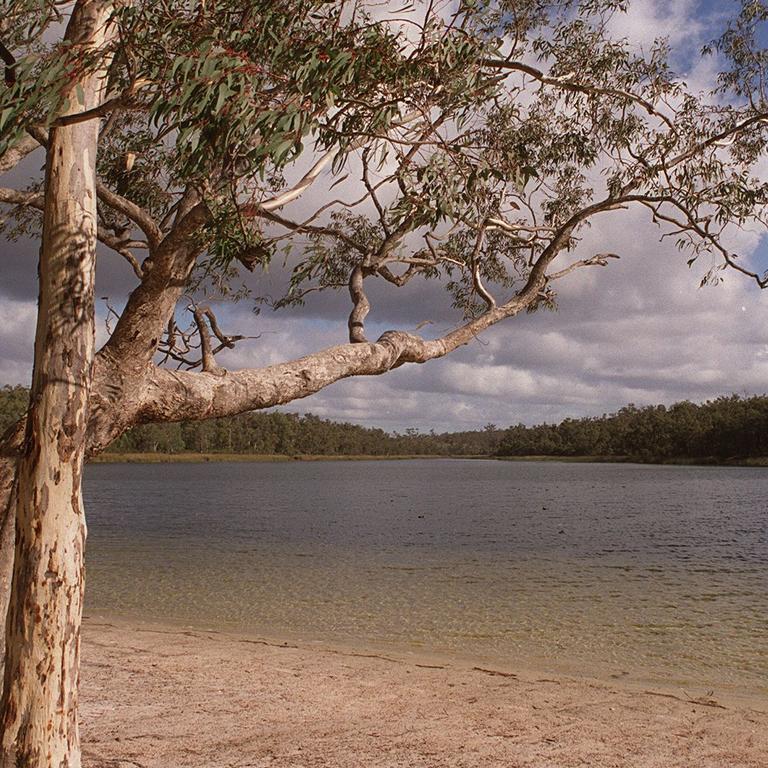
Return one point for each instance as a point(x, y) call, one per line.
point(648, 573)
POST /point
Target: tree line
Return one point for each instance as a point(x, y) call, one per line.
point(729, 427)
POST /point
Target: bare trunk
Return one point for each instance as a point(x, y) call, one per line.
point(39, 704)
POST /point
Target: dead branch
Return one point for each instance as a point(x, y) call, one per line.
point(599, 260)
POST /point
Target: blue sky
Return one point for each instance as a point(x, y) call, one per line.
point(640, 330)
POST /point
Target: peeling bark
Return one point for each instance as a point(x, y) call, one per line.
point(41, 676)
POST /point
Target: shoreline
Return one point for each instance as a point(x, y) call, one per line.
point(203, 458)
point(635, 681)
point(161, 695)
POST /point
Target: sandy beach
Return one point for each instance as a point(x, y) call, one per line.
point(160, 697)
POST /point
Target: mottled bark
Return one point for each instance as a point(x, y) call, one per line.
point(182, 395)
point(39, 704)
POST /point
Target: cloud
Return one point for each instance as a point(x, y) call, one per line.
point(681, 22)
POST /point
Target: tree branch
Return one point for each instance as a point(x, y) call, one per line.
point(10, 65)
point(566, 83)
point(599, 259)
point(311, 176)
point(16, 153)
point(134, 212)
point(360, 309)
point(208, 360)
point(16, 197)
point(115, 201)
point(102, 110)
point(121, 246)
point(692, 225)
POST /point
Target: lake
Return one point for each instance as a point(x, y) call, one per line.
point(645, 573)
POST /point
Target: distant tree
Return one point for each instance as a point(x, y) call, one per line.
point(469, 143)
point(725, 428)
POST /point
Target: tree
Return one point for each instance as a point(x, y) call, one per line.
point(470, 144)
point(41, 671)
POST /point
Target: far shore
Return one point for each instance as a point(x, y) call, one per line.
point(191, 458)
point(156, 696)
point(201, 458)
point(686, 461)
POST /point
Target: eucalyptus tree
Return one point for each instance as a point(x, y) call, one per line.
point(468, 143)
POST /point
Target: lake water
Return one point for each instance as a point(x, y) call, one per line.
point(641, 572)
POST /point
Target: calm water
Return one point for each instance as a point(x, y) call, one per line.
point(656, 573)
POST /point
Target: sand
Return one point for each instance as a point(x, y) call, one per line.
point(163, 697)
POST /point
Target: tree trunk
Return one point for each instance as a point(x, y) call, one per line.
point(39, 703)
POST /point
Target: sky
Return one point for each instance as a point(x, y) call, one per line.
point(637, 331)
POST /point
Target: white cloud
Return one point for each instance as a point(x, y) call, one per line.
point(647, 20)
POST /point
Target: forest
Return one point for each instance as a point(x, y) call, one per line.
point(727, 428)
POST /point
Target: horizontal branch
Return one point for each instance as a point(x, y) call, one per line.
point(17, 197)
point(102, 110)
point(122, 246)
point(183, 395)
point(716, 140)
point(598, 260)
